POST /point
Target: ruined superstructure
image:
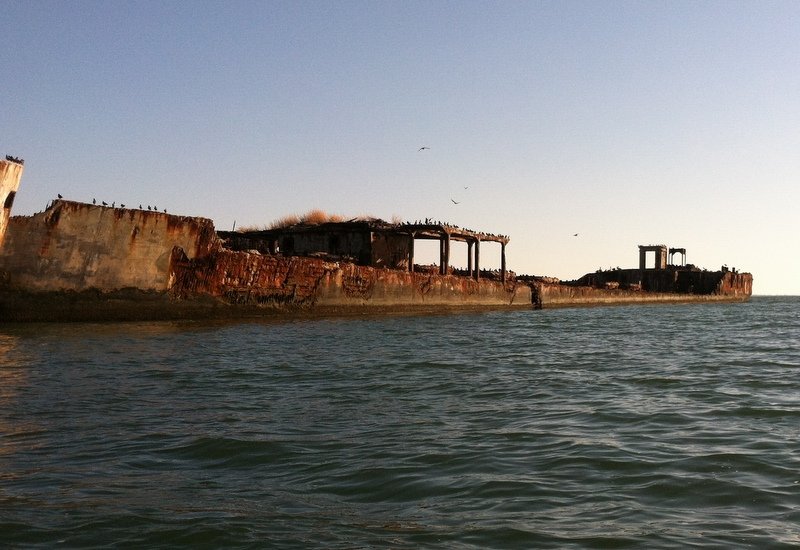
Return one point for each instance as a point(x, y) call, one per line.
point(372, 242)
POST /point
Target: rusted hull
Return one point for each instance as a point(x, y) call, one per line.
point(727, 287)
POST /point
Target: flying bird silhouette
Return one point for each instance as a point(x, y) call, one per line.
point(422, 149)
point(455, 202)
point(575, 235)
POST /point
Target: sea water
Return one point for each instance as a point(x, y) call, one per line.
point(667, 426)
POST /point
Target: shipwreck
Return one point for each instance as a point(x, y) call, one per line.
point(81, 261)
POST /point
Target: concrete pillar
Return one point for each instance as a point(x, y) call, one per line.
point(10, 175)
point(661, 258)
point(469, 258)
point(503, 262)
point(444, 254)
point(411, 253)
point(477, 259)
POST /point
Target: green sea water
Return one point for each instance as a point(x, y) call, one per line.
point(668, 426)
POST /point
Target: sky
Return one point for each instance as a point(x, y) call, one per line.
point(628, 123)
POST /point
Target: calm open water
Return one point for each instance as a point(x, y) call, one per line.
point(640, 426)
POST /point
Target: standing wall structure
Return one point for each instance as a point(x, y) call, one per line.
point(10, 175)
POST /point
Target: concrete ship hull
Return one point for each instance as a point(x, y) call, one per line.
point(82, 262)
point(554, 295)
point(630, 286)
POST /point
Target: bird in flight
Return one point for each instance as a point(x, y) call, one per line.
point(455, 201)
point(422, 149)
point(575, 235)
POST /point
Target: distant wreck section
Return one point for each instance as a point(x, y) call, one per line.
point(79, 261)
point(663, 282)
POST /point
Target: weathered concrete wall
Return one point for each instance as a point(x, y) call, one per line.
point(357, 244)
point(10, 176)
point(264, 280)
point(345, 244)
point(77, 246)
point(384, 287)
point(735, 284)
point(389, 250)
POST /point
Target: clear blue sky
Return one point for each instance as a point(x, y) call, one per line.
point(626, 122)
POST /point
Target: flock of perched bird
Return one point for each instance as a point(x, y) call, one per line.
point(121, 205)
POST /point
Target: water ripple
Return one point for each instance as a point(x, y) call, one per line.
point(658, 427)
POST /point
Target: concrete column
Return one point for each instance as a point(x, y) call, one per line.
point(478, 260)
point(661, 258)
point(469, 258)
point(441, 255)
point(503, 262)
point(445, 255)
point(411, 254)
